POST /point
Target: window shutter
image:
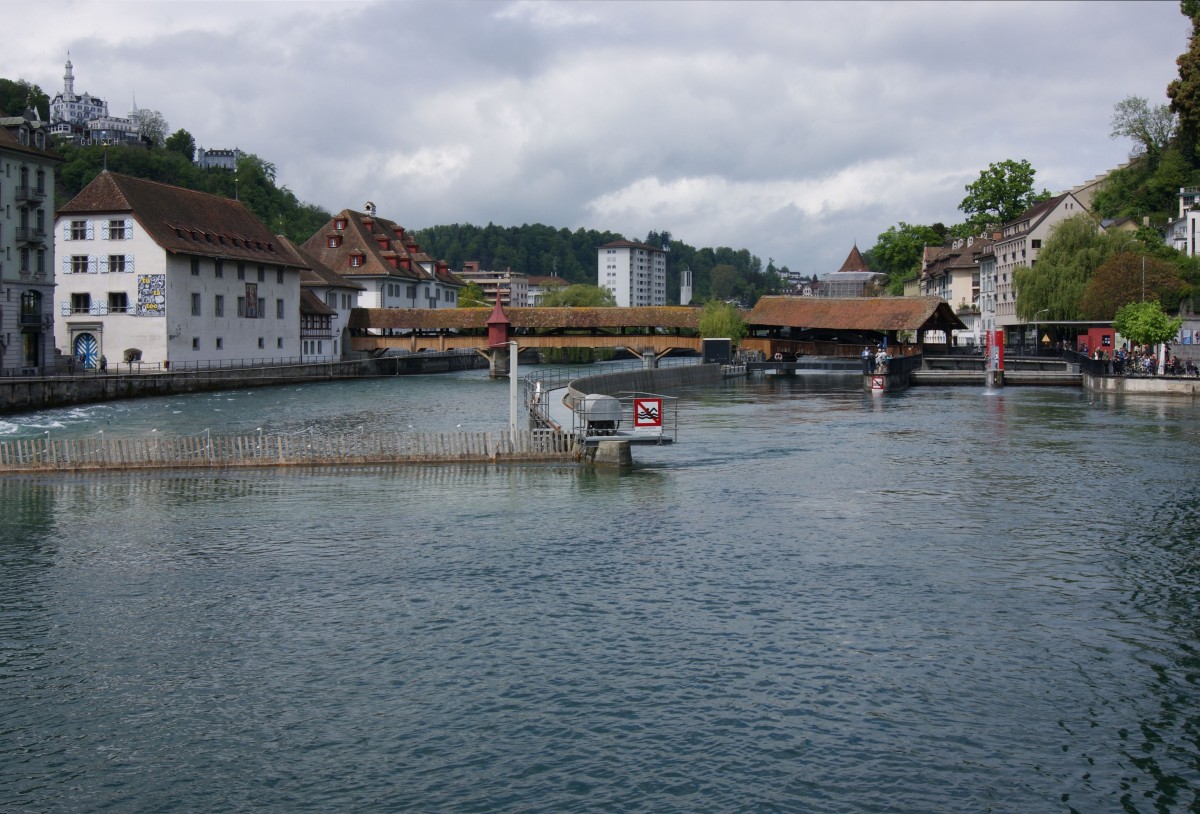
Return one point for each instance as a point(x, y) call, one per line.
point(102, 308)
point(104, 265)
point(91, 265)
point(129, 229)
point(91, 230)
point(66, 230)
point(128, 260)
point(104, 230)
point(66, 264)
point(64, 308)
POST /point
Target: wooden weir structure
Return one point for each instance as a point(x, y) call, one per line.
point(101, 453)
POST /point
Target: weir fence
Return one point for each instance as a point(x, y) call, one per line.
point(99, 453)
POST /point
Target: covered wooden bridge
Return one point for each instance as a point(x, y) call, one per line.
point(820, 326)
point(660, 329)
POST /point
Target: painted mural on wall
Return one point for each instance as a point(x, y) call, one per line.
point(152, 295)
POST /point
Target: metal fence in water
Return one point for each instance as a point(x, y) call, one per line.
point(304, 449)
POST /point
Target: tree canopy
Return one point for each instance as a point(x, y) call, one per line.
point(1128, 277)
point(579, 295)
point(1001, 193)
point(1073, 251)
point(720, 320)
point(1145, 323)
point(1150, 127)
point(16, 97)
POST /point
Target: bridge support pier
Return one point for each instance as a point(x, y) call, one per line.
point(649, 360)
point(498, 358)
point(610, 453)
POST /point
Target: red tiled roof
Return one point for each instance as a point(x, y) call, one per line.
point(854, 313)
point(854, 261)
point(310, 303)
point(317, 273)
point(184, 221)
point(377, 240)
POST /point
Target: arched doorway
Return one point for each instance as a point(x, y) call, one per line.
point(86, 351)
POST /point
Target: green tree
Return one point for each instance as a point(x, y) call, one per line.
point(721, 320)
point(1145, 323)
point(152, 127)
point(181, 141)
point(1127, 277)
point(898, 252)
point(1150, 128)
point(1002, 192)
point(16, 97)
point(1073, 251)
point(1184, 92)
point(579, 296)
point(723, 282)
point(471, 296)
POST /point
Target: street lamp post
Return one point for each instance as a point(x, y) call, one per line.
point(1143, 255)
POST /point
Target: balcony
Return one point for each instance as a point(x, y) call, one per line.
point(28, 194)
point(32, 319)
point(30, 234)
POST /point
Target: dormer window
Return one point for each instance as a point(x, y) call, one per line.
point(334, 241)
point(356, 260)
point(339, 224)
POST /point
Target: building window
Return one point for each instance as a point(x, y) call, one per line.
point(116, 230)
point(262, 308)
point(334, 241)
point(219, 306)
point(79, 230)
point(262, 343)
point(241, 306)
point(279, 342)
point(195, 343)
point(356, 260)
point(262, 274)
point(81, 303)
point(195, 266)
point(279, 275)
point(118, 302)
point(218, 269)
point(196, 304)
point(412, 292)
point(241, 271)
point(220, 343)
point(278, 309)
point(79, 264)
point(116, 263)
point(339, 224)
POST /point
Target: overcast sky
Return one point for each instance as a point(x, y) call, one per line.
point(790, 129)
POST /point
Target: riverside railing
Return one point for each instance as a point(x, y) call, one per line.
point(100, 452)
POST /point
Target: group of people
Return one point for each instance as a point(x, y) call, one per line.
point(1141, 361)
point(874, 362)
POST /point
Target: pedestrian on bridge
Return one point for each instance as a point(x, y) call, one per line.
point(866, 359)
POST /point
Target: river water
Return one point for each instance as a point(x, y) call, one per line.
point(943, 600)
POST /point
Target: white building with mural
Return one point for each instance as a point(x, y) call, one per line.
point(171, 277)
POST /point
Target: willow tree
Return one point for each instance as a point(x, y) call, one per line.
point(1073, 251)
point(720, 320)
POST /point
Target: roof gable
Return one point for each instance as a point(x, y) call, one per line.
point(184, 221)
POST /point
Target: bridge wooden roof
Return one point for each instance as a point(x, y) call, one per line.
point(429, 319)
point(856, 313)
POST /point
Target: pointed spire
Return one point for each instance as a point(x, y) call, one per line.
point(854, 261)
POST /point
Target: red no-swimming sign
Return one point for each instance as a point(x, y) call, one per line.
point(647, 412)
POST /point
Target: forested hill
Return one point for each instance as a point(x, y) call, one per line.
point(534, 249)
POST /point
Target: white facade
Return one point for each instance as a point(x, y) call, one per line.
point(635, 273)
point(119, 291)
point(1018, 247)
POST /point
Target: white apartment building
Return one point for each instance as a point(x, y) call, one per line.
point(510, 286)
point(171, 277)
point(26, 245)
point(635, 273)
point(1018, 246)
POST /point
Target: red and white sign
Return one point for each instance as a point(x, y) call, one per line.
point(647, 413)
